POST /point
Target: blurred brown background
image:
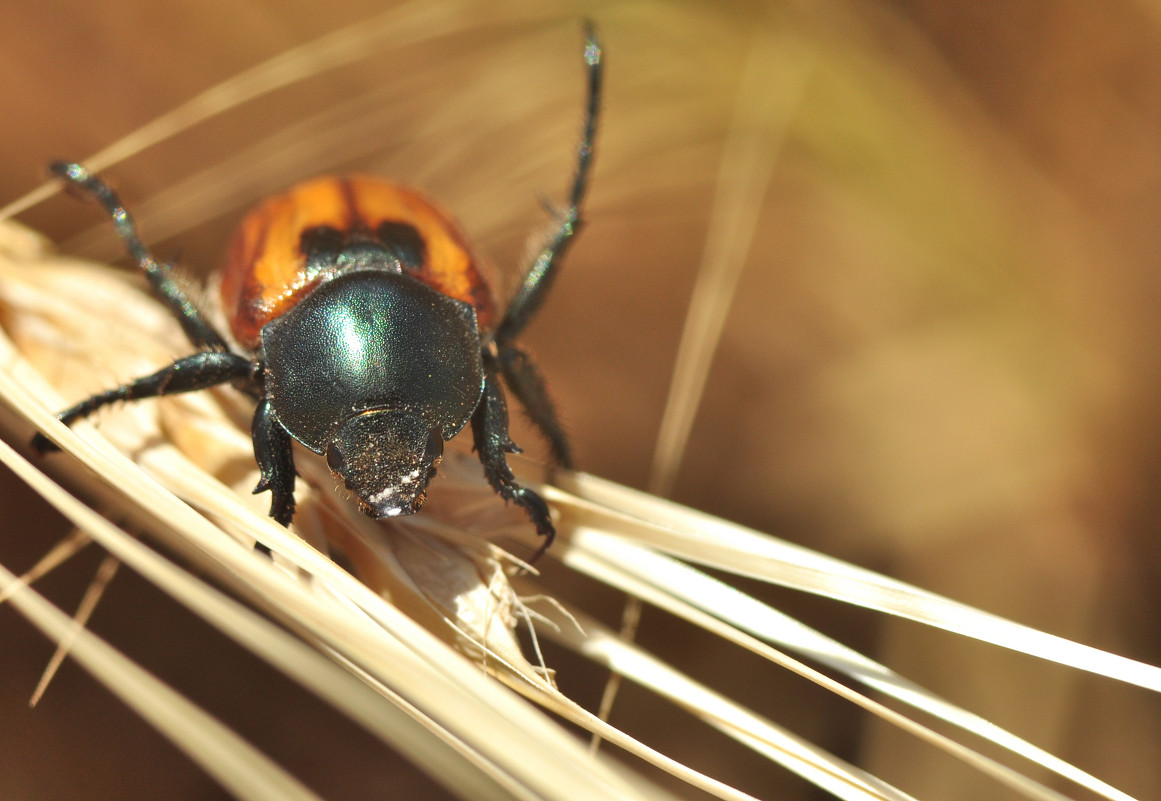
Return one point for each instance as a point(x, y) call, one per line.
point(941, 362)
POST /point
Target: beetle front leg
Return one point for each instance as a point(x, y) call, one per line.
point(492, 443)
point(201, 370)
point(275, 456)
point(195, 324)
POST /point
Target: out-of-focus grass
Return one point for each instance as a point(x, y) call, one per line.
point(940, 362)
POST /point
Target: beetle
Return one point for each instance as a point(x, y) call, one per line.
point(363, 328)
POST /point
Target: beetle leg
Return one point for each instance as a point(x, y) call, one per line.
point(200, 371)
point(490, 432)
point(527, 384)
point(199, 330)
point(275, 456)
point(538, 279)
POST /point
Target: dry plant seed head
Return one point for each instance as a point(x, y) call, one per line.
point(83, 325)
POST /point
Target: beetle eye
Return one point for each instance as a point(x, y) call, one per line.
point(405, 242)
point(335, 461)
point(434, 446)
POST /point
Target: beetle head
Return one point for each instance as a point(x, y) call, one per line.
point(386, 457)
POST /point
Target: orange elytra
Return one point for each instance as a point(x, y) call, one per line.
point(266, 270)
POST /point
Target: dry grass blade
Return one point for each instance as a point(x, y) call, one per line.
point(92, 597)
point(56, 556)
point(722, 545)
point(834, 775)
point(240, 768)
point(730, 614)
point(396, 722)
point(762, 115)
point(399, 25)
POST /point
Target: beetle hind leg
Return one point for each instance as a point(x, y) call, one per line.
point(519, 372)
point(538, 279)
point(527, 384)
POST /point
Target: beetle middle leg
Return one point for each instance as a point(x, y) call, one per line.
point(527, 384)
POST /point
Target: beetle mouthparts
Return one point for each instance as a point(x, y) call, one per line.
point(386, 457)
